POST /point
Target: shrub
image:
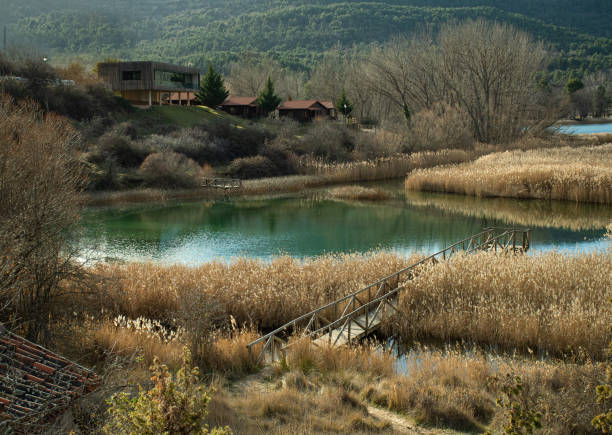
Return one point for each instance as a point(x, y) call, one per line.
point(252, 167)
point(39, 184)
point(126, 153)
point(240, 142)
point(331, 142)
point(170, 170)
point(173, 406)
point(195, 143)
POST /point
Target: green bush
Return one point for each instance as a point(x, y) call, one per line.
point(170, 170)
point(173, 406)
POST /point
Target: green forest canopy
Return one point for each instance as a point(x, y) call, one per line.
point(296, 32)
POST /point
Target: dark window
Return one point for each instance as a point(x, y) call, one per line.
point(131, 75)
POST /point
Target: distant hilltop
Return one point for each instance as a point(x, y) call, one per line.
point(296, 35)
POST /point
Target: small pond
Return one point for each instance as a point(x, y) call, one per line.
point(313, 223)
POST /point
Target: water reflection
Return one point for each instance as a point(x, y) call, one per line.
point(313, 224)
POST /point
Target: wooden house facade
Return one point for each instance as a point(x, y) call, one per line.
point(245, 107)
point(306, 110)
point(148, 83)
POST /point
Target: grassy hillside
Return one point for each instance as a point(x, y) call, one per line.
point(295, 32)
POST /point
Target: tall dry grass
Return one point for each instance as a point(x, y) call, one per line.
point(532, 214)
point(573, 174)
point(227, 354)
point(550, 303)
point(453, 389)
point(359, 193)
point(265, 294)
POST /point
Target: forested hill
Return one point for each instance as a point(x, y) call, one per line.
point(294, 31)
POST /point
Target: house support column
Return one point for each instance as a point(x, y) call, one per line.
point(189, 98)
point(150, 102)
point(159, 97)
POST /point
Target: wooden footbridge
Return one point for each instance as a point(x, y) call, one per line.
point(356, 315)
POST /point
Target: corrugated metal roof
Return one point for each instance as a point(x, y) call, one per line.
point(35, 382)
point(328, 104)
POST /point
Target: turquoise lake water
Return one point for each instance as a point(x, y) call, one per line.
point(586, 128)
point(313, 224)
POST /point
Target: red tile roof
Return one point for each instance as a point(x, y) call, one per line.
point(37, 382)
point(240, 101)
point(300, 104)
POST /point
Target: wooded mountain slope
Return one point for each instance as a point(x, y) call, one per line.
point(294, 31)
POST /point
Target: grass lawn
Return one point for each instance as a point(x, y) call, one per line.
point(185, 116)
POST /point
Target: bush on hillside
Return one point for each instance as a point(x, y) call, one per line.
point(240, 142)
point(170, 170)
point(126, 153)
point(330, 142)
point(252, 167)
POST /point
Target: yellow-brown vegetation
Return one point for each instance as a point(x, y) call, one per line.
point(531, 214)
point(573, 174)
point(452, 388)
point(359, 193)
point(265, 294)
point(552, 302)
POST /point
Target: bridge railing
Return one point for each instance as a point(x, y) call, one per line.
point(222, 183)
point(314, 323)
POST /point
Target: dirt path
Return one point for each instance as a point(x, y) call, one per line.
point(398, 423)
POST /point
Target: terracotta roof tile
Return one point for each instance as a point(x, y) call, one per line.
point(35, 381)
point(240, 101)
point(299, 104)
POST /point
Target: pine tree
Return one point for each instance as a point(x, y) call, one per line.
point(343, 104)
point(267, 99)
point(212, 89)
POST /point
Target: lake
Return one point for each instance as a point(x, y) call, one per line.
point(586, 128)
point(313, 223)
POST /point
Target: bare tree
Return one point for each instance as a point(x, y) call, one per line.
point(248, 77)
point(39, 181)
point(403, 71)
point(329, 76)
point(489, 70)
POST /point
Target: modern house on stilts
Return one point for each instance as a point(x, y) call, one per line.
point(149, 83)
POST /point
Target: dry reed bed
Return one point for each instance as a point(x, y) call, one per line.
point(452, 389)
point(359, 193)
point(532, 214)
point(573, 174)
point(551, 302)
point(266, 294)
point(325, 390)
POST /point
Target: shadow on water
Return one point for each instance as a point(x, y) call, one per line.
point(313, 223)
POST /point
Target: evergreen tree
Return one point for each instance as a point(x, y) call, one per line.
point(343, 104)
point(573, 85)
point(212, 89)
point(267, 99)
